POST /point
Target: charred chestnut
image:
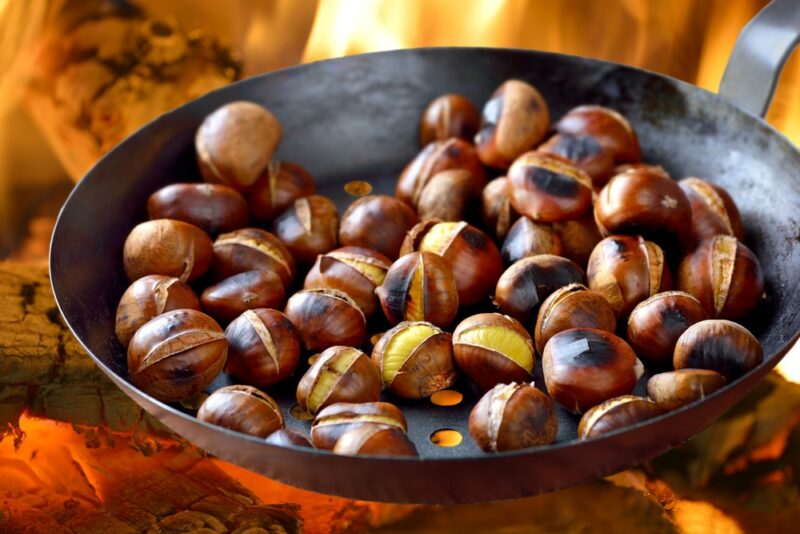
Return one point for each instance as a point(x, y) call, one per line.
point(719, 345)
point(608, 127)
point(724, 275)
point(377, 222)
point(309, 227)
point(584, 367)
point(149, 297)
point(447, 116)
point(492, 349)
point(169, 248)
point(214, 208)
point(375, 440)
point(229, 298)
point(415, 360)
point(449, 196)
point(616, 413)
point(263, 347)
point(513, 416)
point(243, 409)
point(340, 374)
point(655, 324)
point(286, 437)
point(419, 287)
point(583, 151)
point(496, 211)
point(281, 183)
point(174, 356)
point(572, 306)
point(528, 238)
point(326, 317)
point(332, 422)
point(578, 238)
point(513, 121)
point(677, 388)
point(713, 210)
point(252, 249)
point(471, 255)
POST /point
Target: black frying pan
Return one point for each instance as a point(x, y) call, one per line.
point(356, 118)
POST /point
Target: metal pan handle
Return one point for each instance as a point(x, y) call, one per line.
point(759, 55)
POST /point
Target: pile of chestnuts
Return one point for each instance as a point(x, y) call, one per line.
point(510, 240)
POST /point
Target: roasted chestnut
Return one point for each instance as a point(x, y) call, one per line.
point(243, 409)
point(609, 128)
point(645, 203)
point(496, 211)
point(655, 324)
point(492, 349)
point(677, 388)
point(263, 347)
point(434, 158)
point(513, 416)
point(235, 143)
point(625, 167)
point(585, 366)
point(578, 238)
point(419, 287)
point(449, 195)
point(724, 275)
point(333, 421)
point(375, 440)
point(214, 208)
point(471, 255)
point(583, 151)
point(148, 297)
point(514, 120)
point(169, 248)
point(415, 360)
point(340, 374)
point(309, 227)
point(572, 306)
point(713, 210)
point(616, 413)
point(377, 222)
point(229, 298)
point(525, 285)
point(326, 317)
point(546, 188)
point(719, 345)
point(281, 183)
point(286, 437)
point(626, 270)
point(528, 238)
point(175, 355)
point(356, 271)
point(252, 249)
point(447, 116)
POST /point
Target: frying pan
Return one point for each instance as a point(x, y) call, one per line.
point(356, 118)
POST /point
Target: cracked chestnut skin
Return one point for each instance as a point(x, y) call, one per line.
point(449, 195)
point(719, 345)
point(496, 211)
point(713, 210)
point(326, 317)
point(655, 324)
point(449, 115)
point(379, 440)
point(528, 238)
point(167, 247)
point(252, 249)
point(359, 381)
point(585, 152)
point(309, 227)
point(214, 208)
point(677, 388)
point(333, 421)
point(243, 409)
point(616, 413)
point(377, 222)
point(281, 183)
point(572, 306)
point(229, 298)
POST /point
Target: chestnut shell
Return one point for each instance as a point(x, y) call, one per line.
point(167, 247)
point(326, 317)
point(310, 226)
point(243, 409)
point(449, 115)
point(616, 413)
point(252, 249)
point(336, 419)
point(719, 345)
point(655, 324)
point(281, 183)
point(377, 222)
point(677, 388)
point(214, 208)
point(229, 298)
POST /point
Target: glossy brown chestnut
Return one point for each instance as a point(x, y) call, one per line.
point(434, 158)
point(415, 360)
point(578, 238)
point(356, 271)
point(235, 143)
point(496, 211)
point(584, 367)
point(263, 347)
point(286, 437)
point(616, 413)
point(719, 345)
point(450, 115)
point(333, 421)
point(471, 255)
point(528, 238)
point(724, 275)
point(528, 282)
point(572, 306)
point(609, 128)
point(340, 374)
point(175, 355)
point(252, 249)
point(619, 169)
point(377, 222)
point(583, 151)
point(513, 416)
point(492, 349)
point(545, 188)
point(626, 270)
point(214, 208)
point(169, 248)
point(243, 409)
point(229, 298)
point(677, 388)
point(309, 227)
point(449, 195)
point(378, 440)
point(645, 203)
point(148, 297)
point(513, 121)
point(655, 324)
point(713, 210)
point(326, 317)
point(419, 287)
point(281, 183)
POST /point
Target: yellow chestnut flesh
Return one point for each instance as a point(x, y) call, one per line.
point(340, 374)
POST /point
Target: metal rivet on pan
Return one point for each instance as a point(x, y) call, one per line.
point(446, 437)
point(358, 188)
point(447, 397)
point(300, 414)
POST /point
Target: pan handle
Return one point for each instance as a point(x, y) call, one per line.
point(761, 50)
